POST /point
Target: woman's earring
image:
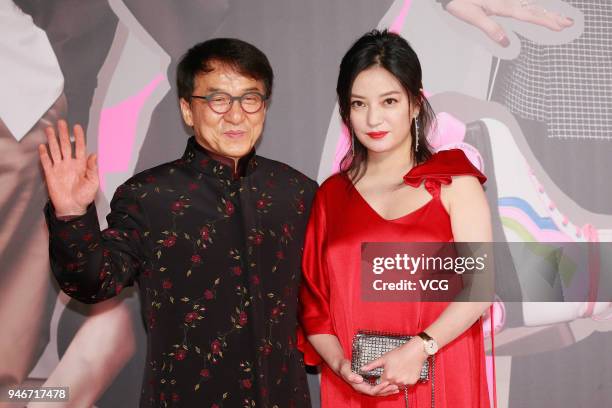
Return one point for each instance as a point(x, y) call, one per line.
point(416, 136)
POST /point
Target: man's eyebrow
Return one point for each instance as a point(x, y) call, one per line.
point(250, 89)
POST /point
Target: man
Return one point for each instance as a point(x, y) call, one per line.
point(213, 239)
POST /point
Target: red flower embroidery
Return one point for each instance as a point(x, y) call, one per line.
point(180, 354)
point(205, 233)
point(229, 208)
point(236, 270)
point(175, 397)
point(205, 372)
point(167, 284)
point(286, 229)
point(162, 396)
point(267, 349)
point(275, 312)
point(300, 206)
point(255, 280)
point(196, 259)
point(215, 346)
point(191, 316)
point(247, 383)
point(193, 186)
point(261, 204)
point(258, 239)
point(208, 294)
point(280, 255)
point(113, 233)
point(242, 318)
point(88, 237)
point(169, 241)
point(177, 206)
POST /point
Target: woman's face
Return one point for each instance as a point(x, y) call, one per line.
point(381, 112)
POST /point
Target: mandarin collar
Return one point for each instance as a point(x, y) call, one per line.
point(216, 165)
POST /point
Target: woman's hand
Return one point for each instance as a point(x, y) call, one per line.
point(478, 12)
point(358, 383)
point(402, 366)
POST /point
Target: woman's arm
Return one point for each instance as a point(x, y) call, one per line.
point(466, 203)
point(471, 222)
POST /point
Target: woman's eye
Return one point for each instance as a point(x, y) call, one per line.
point(357, 104)
point(390, 101)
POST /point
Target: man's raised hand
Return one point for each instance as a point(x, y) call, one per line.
point(72, 180)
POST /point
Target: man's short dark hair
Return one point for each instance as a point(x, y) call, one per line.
point(244, 58)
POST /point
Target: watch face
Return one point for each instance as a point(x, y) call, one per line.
point(431, 347)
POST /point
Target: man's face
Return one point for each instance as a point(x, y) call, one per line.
point(234, 133)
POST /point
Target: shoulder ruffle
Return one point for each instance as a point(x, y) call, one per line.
point(441, 167)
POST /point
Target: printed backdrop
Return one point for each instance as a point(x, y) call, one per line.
point(535, 116)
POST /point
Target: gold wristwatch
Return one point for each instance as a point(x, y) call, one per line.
point(429, 344)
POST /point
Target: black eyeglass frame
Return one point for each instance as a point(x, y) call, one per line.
point(232, 99)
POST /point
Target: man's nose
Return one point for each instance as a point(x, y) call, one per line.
point(235, 114)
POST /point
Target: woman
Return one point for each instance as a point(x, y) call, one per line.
point(391, 188)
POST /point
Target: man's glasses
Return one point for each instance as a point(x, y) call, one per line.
point(221, 102)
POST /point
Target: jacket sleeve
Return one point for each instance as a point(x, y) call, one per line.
point(92, 265)
point(314, 290)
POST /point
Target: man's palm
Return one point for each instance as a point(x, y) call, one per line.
point(72, 181)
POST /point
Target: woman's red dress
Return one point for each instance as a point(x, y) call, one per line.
point(331, 295)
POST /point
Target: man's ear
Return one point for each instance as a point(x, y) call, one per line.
point(186, 112)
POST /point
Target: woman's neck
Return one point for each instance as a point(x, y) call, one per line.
point(389, 164)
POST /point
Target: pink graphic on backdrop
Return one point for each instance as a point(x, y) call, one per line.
point(117, 131)
point(540, 235)
point(449, 130)
point(342, 147)
point(398, 23)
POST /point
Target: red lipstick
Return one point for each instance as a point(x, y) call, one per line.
point(377, 135)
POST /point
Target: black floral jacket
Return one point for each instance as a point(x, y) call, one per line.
point(217, 258)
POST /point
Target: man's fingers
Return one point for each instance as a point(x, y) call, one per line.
point(79, 141)
point(92, 167)
point(64, 137)
point(54, 149)
point(476, 16)
point(45, 160)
